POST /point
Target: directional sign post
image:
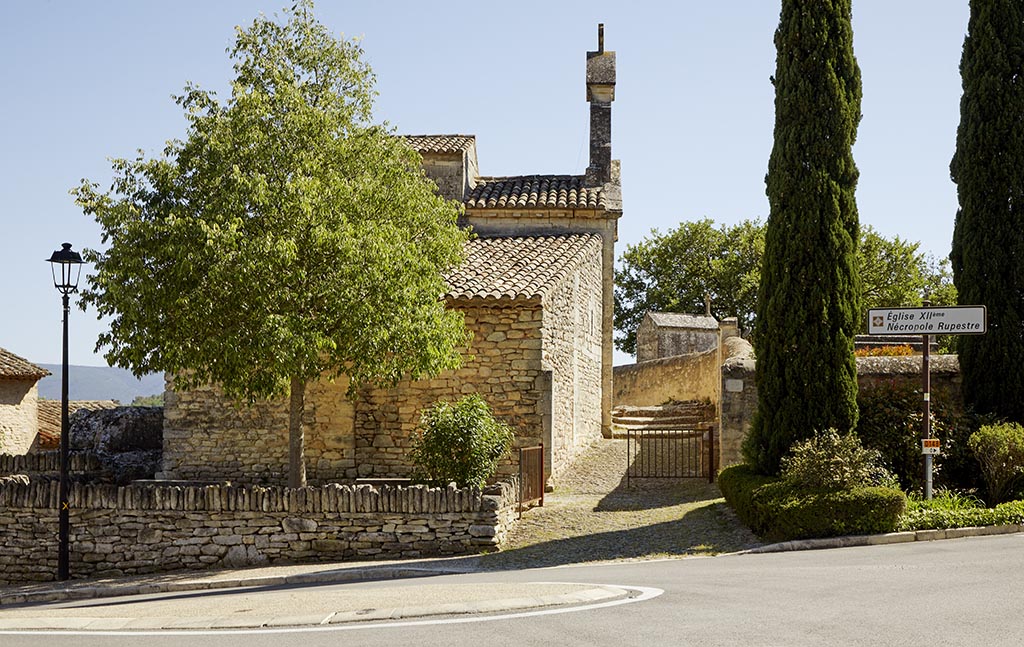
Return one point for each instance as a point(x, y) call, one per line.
point(955, 320)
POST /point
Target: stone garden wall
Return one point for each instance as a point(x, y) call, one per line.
point(118, 531)
point(694, 376)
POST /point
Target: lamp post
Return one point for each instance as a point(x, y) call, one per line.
point(69, 265)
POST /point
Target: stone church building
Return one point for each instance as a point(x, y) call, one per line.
point(536, 292)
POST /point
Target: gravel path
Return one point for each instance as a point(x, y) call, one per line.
point(592, 516)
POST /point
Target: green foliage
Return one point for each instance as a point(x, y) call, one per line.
point(672, 272)
point(778, 511)
point(988, 240)
point(832, 461)
point(809, 301)
point(460, 442)
point(938, 514)
point(149, 400)
point(287, 237)
point(891, 422)
point(1000, 452)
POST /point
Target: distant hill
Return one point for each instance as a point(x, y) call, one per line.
point(99, 383)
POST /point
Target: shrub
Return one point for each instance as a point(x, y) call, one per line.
point(777, 511)
point(933, 517)
point(833, 461)
point(890, 422)
point(460, 442)
point(999, 449)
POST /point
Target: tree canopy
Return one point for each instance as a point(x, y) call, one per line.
point(287, 237)
point(672, 272)
point(988, 236)
point(808, 306)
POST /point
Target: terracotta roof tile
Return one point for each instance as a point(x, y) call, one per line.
point(518, 268)
point(13, 367)
point(442, 144)
point(48, 414)
point(535, 192)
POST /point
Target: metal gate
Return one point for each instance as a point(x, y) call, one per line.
point(531, 477)
point(670, 453)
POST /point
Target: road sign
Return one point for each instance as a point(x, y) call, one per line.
point(953, 320)
point(930, 446)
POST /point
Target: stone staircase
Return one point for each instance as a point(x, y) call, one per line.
point(691, 415)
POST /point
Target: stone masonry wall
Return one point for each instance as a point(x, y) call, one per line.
point(19, 416)
point(207, 438)
point(739, 392)
point(680, 378)
point(117, 531)
point(503, 365)
point(573, 353)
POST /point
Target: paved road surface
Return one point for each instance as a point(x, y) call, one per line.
point(955, 592)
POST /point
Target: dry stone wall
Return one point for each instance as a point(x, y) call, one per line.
point(118, 531)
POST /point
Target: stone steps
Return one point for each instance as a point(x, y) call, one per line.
point(678, 416)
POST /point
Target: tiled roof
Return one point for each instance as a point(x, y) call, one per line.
point(443, 144)
point(13, 367)
point(680, 320)
point(518, 268)
point(48, 414)
point(535, 192)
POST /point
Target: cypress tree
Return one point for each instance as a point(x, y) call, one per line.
point(808, 306)
point(988, 238)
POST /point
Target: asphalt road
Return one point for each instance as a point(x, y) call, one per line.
point(955, 592)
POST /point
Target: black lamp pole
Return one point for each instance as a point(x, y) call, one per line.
point(70, 264)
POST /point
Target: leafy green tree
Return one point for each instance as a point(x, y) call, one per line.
point(673, 272)
point(808, 307)
point(988, 237)
point(287, 238)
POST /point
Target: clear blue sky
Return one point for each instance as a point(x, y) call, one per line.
point(692, 120)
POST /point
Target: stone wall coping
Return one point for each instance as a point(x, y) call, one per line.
point(332, 497)
point(663, 361)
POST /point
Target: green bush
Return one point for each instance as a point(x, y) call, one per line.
point(777, 511)
point(833, 461)
point(999, 449)
point(891, 421)
point(460, 442)
point(932, 515)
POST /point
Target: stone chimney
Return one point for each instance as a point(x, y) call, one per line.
point(600, 94)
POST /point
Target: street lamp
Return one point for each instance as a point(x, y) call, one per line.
point(66, 266)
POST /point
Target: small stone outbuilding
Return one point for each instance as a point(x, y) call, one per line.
point(668, 334)
point(19, 402)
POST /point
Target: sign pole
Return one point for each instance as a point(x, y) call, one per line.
point(926, 376)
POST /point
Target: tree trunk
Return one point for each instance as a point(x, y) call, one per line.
point(296, 440)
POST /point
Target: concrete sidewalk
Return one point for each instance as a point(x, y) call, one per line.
point(271, 597)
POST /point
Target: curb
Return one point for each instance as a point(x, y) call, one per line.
point(884, 539)
point(149, 588)
point(593, 595)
